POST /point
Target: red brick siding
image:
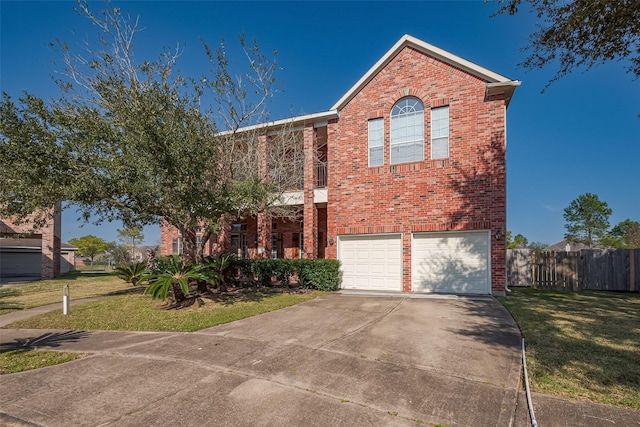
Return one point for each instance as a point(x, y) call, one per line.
point(464, 192)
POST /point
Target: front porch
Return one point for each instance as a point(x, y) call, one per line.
point(265, 237)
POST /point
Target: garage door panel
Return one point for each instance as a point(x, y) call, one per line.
point(14, 264)
point(451, 262)
point(371, 262)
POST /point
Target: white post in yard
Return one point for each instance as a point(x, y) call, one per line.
point(65, 299)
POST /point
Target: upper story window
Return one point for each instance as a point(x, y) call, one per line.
point(440, 133)
point(407, 131)
point(376, 142)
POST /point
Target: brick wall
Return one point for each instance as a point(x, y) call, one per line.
point(463, 192)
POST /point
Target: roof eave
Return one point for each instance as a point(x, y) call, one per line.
point(307, 118)
point(506, 88)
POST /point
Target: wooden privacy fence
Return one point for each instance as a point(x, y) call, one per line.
point(589, 269)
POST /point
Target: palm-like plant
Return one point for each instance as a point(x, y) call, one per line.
point(172, 279)
point(131, 273)
point(221, 269)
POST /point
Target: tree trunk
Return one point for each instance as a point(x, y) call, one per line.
point(222, 285)
point(202, 287)
point(178, 295)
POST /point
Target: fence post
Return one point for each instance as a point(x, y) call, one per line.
point(632, 270)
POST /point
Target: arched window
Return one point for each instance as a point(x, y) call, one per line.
point(407, 131)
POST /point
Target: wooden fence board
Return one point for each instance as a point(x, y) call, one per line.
point(591, 269)
point(519, 267)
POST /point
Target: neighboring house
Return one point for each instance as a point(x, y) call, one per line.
point(141, 253)
point(32, 253)
point(410, 190)
point(567, 246)
point(22, 257)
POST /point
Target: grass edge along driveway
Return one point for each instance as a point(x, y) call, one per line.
point(581, 345)
point(141, 313)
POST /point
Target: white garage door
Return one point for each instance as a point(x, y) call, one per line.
point(13, 264)
point(451, 262)
point(371, 262)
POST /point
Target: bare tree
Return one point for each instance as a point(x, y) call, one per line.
point(140, 142)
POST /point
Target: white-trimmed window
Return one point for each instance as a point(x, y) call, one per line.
point(176, 246)
point(407, 131)
point(440, 133)
point(376, 142)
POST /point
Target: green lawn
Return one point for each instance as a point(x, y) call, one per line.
point(141, 313)
point(12, 361)
point(582, 345)
point(128, 310)
point(81, 285)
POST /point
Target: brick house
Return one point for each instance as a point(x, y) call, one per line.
point(408, 187)
point(26, 252)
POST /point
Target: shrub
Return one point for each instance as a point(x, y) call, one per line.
point(221, 269)
point(131, 272)
point(172, 279)
point(263, 270)
point(321, 274)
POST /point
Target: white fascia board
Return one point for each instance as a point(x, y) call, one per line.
point(508, 88)
point(428, 49)
point(322, 116)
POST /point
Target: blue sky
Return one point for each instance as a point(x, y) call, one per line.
point(582, 135)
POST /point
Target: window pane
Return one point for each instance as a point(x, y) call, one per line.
point(440, 148)
point(407, 131)
point(407, 127)
point(376, 156)
point(440, 133)
point(402, 153)
point(376, 142)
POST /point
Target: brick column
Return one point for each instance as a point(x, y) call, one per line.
point(264, 236)
point(498, 206)
point(48, 253)
point(310, 223)
point(263, 221)
point(331, 250)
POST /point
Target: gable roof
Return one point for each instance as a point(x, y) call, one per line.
point(496, 83)
point(573, 246)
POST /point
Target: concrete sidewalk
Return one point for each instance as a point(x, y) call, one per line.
point(336, 360)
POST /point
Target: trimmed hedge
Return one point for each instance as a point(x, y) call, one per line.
point(321, 274)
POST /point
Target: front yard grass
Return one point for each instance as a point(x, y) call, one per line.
point(141, 313)
point(582, 345)
point(81, 285)
point(12, 361)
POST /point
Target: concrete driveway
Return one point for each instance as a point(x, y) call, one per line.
point(334, 361)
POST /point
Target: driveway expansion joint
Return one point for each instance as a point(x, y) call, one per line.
point(362, 327)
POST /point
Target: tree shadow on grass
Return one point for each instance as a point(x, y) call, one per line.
point(74, 275)
point(233, 295)
point(589, 339)
point(249, 294)
point(135, 290)
point(48, 339)
point(10, 305)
